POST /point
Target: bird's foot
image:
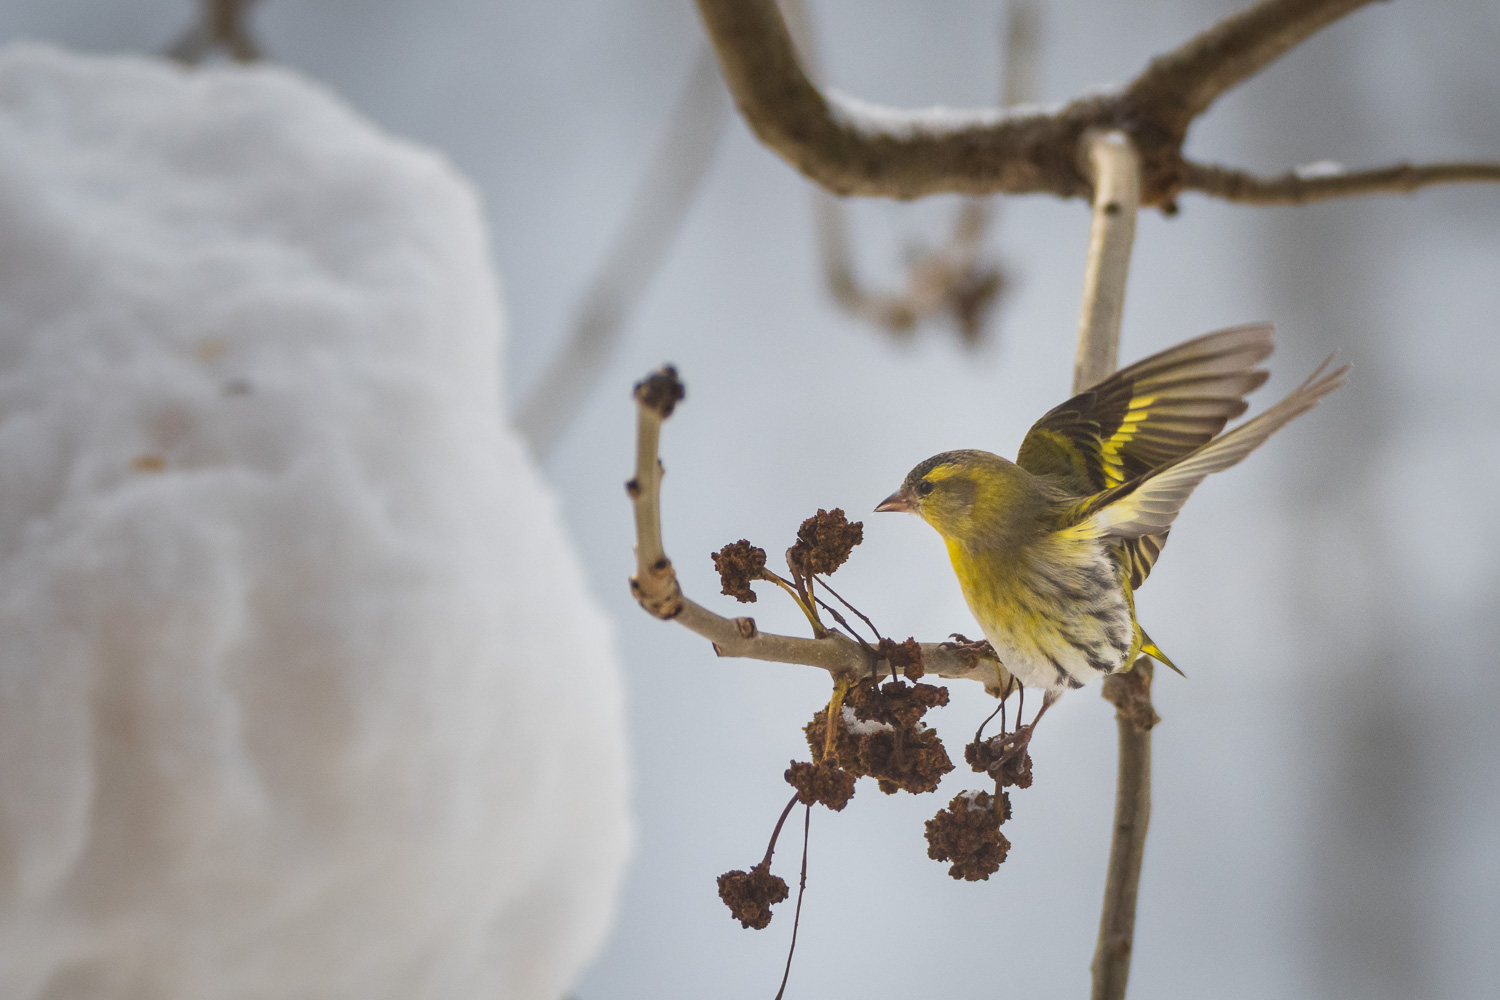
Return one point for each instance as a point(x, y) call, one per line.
point(1003, 757)
point(980, 649)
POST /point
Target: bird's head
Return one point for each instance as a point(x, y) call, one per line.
point(965, 495)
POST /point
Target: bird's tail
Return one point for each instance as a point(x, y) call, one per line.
point(1151, 649)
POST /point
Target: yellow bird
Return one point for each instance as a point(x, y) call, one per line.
point(1050, 549)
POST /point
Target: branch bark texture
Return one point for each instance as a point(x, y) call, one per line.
point(1114, 166)
point(851, 148)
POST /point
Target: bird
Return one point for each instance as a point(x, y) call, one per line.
point(1050, 549)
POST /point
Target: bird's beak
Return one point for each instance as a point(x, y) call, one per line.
point(897, 501)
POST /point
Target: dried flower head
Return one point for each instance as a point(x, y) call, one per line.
point(903, 656)
point(898, 756)
point(823, 782)
point(967, 833)
point(824, 542)
point(739, 563)
point(899, 704)
point(750, 895)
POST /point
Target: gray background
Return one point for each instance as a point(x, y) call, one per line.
point(1325, 781)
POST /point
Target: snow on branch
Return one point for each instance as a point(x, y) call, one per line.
point(953, 281)
point(1318, 182)
point(854, 148)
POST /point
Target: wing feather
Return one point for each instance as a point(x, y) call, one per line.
point(1147, 505)
point(1146, 416)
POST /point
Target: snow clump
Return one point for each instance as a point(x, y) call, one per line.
point(302, 691)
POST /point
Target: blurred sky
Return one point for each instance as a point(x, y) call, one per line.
point(1325, 793)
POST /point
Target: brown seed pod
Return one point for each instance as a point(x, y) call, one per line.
point(823, 782)
point(967, 833)
point(750, 895)
point(738, 564)
point(824, 542)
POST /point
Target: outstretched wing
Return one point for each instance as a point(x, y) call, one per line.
point(1146, 416)
point(1146, 506)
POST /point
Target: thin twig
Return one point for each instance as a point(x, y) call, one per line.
point(862, 616)
point(1318, 182)
point(1113, 161)
point(849, 147)
point(776, 833)
point(656, 587)
point(660, 204)
point(797, 917)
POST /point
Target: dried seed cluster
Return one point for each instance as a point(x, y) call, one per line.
point(967, 833)
point(750, 895)
point(1006, 758)
point(824, 782)
point(903, 656)
point(824, 542)
point(738, 564)
point(885, 740)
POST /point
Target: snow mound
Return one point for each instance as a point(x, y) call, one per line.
point(302, 692)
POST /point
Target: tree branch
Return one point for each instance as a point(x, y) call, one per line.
point(656, 587)
point(1130, 693)
point(953, 279)
point(849, 147)
point(1315, 183)
point(1181, 84)
point(1114, 165)
point(895, 154)
point(660, 204)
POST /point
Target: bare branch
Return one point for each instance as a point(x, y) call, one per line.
point(1130, 693)
point(1182, 84)
point(656, 588)
point(1114, 165)
point(220, 25)
point(852, 148)
point(1308, 184)
point(660, 204)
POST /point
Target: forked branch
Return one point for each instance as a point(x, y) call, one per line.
point(852, 148)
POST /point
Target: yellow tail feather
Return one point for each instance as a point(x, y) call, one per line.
point(1151, 649)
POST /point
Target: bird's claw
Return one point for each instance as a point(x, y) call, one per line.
point(977, 648)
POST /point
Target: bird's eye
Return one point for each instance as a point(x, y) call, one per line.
point(923, 487)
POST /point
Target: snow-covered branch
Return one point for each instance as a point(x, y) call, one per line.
point(850, 147)
point(1321, 181)
point(953, 280)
